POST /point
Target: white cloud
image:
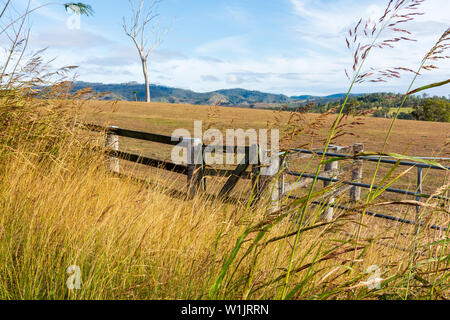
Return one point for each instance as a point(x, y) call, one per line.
point(318, 29)
point(225, 46)
point(238, 14)
point(64, 38)
point(321, 28)
point(324, 28)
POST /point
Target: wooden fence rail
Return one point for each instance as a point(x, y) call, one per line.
point(195, 170)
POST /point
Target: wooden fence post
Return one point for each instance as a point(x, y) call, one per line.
point(194, 166)
point(256, 172)
point(263, 178)
point(419, 189)
point(327, 215)
point(203, 175)
point(282, 176)
point(256, 169)
point(269, 171)
point(357, 173)
point(112, 143)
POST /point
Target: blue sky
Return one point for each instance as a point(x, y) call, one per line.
point(281, 46)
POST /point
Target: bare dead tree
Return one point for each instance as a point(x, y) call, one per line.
point(143, 30)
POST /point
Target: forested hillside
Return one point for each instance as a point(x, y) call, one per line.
point(378, 104)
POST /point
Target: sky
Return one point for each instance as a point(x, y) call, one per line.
point(293, 47)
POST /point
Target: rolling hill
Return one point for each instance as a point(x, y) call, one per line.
point(227, 97)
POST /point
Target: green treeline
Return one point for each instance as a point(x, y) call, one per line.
point(384, 105)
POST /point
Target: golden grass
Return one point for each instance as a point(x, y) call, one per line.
point(139, 241)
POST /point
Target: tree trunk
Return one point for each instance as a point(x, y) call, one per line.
point(147, 83)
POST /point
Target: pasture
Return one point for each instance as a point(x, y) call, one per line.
point(427, 140)
point(142, 240)
point(418, 138)
point(415, 138)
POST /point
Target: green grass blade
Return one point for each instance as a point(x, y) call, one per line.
point(433, 85)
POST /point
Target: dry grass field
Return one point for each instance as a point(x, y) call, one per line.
point(133, 240)
point(416, 138)
point(70, 228)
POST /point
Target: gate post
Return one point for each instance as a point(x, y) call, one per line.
point(194, 166)
point(256, 170)
point(269, 179)
point(357, 173)
point(419, 189)
point(112, 143)
point(327, 215)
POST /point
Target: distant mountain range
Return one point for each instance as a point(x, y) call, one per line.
point(228, 97)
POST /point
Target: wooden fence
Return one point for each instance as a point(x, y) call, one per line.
point(274, 180)
point(195, 170)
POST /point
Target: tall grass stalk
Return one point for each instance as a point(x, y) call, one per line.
point(356, 77)
point(441, 45)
